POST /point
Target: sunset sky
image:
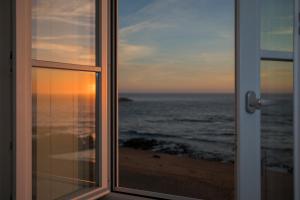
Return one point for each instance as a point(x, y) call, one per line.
point(164, 45)
point(176, 46)
point(63, 82)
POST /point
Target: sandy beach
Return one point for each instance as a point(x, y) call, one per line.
point(171, 174)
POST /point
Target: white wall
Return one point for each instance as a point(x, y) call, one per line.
point(5, 100)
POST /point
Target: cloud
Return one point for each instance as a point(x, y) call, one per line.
point(63, 31)
point(142, 26)
point(65, 53)
point(81, 13)
point(55, 47)
point(282, 31)
point(69, 8)
point(130, 52)
point(66, 20)
point(63, 37)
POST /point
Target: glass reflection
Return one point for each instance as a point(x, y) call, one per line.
point(277, 25)
point(277, 130)
point(64, 31)
point(63, 132)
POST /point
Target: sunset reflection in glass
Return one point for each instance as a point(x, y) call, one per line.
point(64, 132)
point(64, 31)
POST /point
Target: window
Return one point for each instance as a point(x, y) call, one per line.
point(277, 75)
point(169, 114)
point(69, 140)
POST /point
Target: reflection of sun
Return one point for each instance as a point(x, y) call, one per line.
point(91, 88)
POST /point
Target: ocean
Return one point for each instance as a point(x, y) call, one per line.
point(202, 126)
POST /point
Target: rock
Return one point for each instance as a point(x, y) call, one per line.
point(125, 99)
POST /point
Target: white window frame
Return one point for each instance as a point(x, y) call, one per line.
point(277, 55)
point(23, 64)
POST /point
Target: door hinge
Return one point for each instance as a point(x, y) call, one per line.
point(11, 57)
point(11, 145)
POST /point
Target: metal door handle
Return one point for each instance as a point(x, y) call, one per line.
point(253, 103)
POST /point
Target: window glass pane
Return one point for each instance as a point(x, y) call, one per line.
point(176, 87)
point(277, 130)
point(277, 25)
point(63, 132)
point(64, 31)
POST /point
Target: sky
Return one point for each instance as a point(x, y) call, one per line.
point(176, 46)
point(64, 31)
point(63, 82)
point(179, 46)
point(277, 25)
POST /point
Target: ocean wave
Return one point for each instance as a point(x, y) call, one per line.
point(278, 148)
point(146, 134)
point(232, 133)
point(190, 120)
point(133, 133)
point(214, 141)
point(173, 148)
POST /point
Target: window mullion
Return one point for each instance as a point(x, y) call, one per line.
point(68, 66)
point(276, 55)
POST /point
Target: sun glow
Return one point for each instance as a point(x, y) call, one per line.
point(91, 88)
point(63, 82)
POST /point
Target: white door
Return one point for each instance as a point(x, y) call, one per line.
point(267, 118)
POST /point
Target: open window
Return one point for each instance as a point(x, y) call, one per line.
point(147, 98)
point(64, 92)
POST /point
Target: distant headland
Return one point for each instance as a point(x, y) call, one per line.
point(125, 99)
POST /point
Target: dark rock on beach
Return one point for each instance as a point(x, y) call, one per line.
point(125, 99)
point(140, 143)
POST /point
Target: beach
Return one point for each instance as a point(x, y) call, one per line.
point(176, 175)
point(183, 176)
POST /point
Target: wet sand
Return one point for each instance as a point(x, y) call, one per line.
point(172, 174)
point(183, 176)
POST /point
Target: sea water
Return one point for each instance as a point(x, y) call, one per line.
point(202, 126)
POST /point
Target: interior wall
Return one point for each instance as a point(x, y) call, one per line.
point(5, 100)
